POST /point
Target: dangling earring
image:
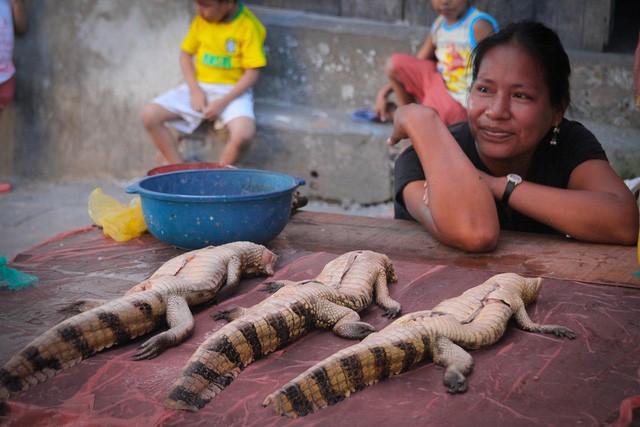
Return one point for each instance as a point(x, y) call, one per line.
point(556, 131)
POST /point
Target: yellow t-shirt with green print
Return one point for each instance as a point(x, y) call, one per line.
point(223, 50)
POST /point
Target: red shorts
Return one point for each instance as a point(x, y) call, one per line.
point(421, 79)
point(7, 90)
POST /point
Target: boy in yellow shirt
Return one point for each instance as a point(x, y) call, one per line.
point(220, 59)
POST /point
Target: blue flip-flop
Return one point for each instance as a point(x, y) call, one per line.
point(365, 115)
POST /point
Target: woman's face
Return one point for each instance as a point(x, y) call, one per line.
point(509, 108)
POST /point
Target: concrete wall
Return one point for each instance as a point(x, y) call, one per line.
point(581, 24)
point(86, 67)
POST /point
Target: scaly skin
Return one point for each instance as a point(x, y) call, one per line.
point(186, 280)
point(333, 299)
point(477, 318)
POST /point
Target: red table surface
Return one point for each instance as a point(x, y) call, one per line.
point(524, 379)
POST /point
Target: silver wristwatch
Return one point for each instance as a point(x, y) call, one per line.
point(512, 181)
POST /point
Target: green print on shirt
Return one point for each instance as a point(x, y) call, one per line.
point(216, 61)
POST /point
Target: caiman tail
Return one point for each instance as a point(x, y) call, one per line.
point(80, 336)
point(220, 358)
point(404, 343)
point(377, 357)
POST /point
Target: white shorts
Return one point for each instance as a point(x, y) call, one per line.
point(178, 101)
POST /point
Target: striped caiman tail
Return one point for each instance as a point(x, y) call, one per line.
point(377, 357)
point(80, 336)
point(332, 300)
point(219, 360)
point(477, 318)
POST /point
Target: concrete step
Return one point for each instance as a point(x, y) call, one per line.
point(328, 62)
point(332, 63)
point(342, 161)
point(321, 68)
point(347, 162)
point(622, 146)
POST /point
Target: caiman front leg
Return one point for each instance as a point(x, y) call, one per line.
point(234, 274)
point(345, 321)
point(181, 326)
point(524, 321)
point(456, 361)
point(383, 299)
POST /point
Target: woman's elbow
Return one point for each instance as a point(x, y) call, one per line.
point(475, 239)
point(626, 230)
point(629, 235)
point(480, 243)
point(619, 230)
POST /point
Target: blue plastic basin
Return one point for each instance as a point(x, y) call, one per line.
point(197, 208)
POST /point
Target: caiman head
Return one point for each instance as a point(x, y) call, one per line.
point(265, 265)
point(257, 260)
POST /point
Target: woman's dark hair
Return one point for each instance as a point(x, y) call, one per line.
point(544, 45)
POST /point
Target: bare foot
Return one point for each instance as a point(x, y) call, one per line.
point(390, 108)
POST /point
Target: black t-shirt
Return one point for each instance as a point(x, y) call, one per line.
point(552, 165)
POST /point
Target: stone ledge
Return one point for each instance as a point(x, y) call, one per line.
point(622, 146)
point(342, 161)
point(330, 62)
point(346, 162)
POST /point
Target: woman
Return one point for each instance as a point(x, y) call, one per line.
point(516, 163)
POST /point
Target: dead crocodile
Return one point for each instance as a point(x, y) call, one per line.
point(477, 318)
point(186, 280)
point(333, 299)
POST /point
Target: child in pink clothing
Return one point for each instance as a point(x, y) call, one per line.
point(438, 76)
point(13, 20)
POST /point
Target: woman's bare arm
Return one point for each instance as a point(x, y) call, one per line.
point(596, 207)
point(461, 211)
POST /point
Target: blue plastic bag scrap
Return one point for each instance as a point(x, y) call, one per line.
point(14, 279)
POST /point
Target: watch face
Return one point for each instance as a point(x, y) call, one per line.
point(514, 178)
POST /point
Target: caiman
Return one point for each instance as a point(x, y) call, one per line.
point(346, 285)
point(189, 279)
point(475, 319)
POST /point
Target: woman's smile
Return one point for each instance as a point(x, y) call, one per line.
point(495, 134)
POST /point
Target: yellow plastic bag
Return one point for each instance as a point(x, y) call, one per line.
point(118, 221)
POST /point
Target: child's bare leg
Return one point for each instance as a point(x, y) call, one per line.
point(153, 117)
point(402, 95)
point(241, 130)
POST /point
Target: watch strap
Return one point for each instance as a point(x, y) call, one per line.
point(512, 181)
point(507, 192)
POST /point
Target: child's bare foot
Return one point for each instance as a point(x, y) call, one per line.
point(390, 109)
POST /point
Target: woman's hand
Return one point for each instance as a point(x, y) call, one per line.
point(496, 184)
point(402, 115)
